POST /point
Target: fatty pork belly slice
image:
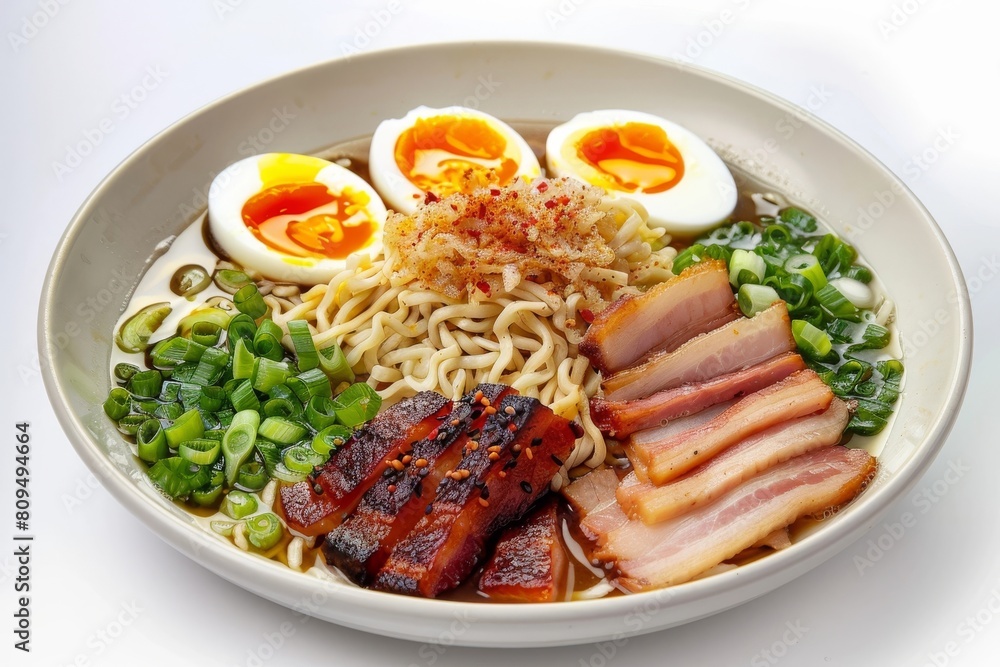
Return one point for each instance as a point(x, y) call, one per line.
point(667, 458)
point(393, 505)
point(697, 300)
point(320, 503)
point(529, 562)
point(521, 448)
point(592, 497)
point(622, 418)
point(753, 455)
point(675, 551)
point(739, 344)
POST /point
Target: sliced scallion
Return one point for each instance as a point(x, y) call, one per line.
point(238, 504)
point(118, 403)
point(279, 407)
point(269, 373)
point(178, 478)
point(169, 411)
point(231, 280)
point(301, 458)
point(267, 341)
point(356, 405)
point(302, 341)
point(186, 427)
point(211, 366)
point(238, 443)
point(152, 441)
point(174, 351)
point(282, 431)
point(807, 266)
point(243, 360)
point(281, 473)
point(207, 496)
point(264, 530)
point(745, 267)
point(320, 412)
point(130, 424)
point(813, 342)
point(212, 398)
point(313, 382)
point(754, 298)
point(241, 327)
point(836, 304)
point(249, 301)
point(243, 397)
point(124, 371)
point(203, 452)
point(208, 315)
point(206, 333)
point(252, 476)
point(330, 439)
point(189, 280)
point(134, 334)
point(334, 364)
point(146, 384)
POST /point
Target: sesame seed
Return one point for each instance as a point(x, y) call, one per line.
point(407, 458)
point(392, 488)
point(535, 442)
point(478, 397)
point(494, 456)
point(473, 445)
point(484, 502)
point(502, 474)
point(555, 459)
point(456, 422)
point(398, 465)
point(528, 453)
point(485, 493)
point(430, 506)
point(490, 410)
point(494, 448)
point(526, 487)
point(420, 463)
point(517, 448)
point(510, 410)
point(485, 402)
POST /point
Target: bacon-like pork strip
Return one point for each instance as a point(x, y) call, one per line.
point(521, 448)
point(529, 562)
point(619, 419)
point(739, 344)
point(753, 455)
point(320, 503)
point(593, 498)
point(796, 396)
point(697, 300)
point(674, 551)
point(393, 505)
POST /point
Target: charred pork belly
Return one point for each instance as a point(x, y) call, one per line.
point(737, 345)
point(674, 551)
point(797, 395)
point(393, 505)
point(696, 301)
point(319, 504)
point(622, 418)
point(521, 448)
point(721, 473)
point(529, 562)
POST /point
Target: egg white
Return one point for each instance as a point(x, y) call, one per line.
point(241, 180)
point(398, 191)
point(704, 197)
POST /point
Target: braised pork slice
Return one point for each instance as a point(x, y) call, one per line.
point(677, 550)
point(319, 504)
point(593, 498)
point(529, 562)
point(753, 455)
point(521, 448)
point(797, 395)
point(697, 300)
point(619, 419)
point(737, 345)
point(393, 505)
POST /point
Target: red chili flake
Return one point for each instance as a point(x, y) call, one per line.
point(543, 186)
point(484, 287)
point(495, 192)
point(482, 210)
point(550, 203)
point(513, 195)
point(433, 434)
point(587, 315)
point(430, 198)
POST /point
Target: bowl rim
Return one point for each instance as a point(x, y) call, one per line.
point(227, 562)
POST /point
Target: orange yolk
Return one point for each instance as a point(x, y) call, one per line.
point(435, 152)
point(633, 156)
point(307, 220)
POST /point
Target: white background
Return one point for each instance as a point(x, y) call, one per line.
point(904, 78)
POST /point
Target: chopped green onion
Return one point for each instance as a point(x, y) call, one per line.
point(252, 476)
point(186, 427)
point(209, 315)
point(170, 411)
point(356, 405)
point(146, 384)
point(206, 333)
point(301, 458)
point(313, 382)
point(134, 335)
point(225, 417)
point(807, 265)
point(170, 391)
point(211, 367)
point(281, 473)
point(224, 528)
point(279, 407)
point(230, 280)
point(754, 298)
point(207, 496)
point(189, 280)
point(813, 342)
point(688, 257)
point(836, 304)
point(793, 288)
point(203, 452)
point(875, 337)
point(173, 351)
point(241, 327)
point(859, 294)
point(118, 403)
point(130, 424)
point(215, 434)
point(302, 341)
point(334, 364)
point(282, 431)
point(249, 301)
point(178, 478)
point(269, 373)
point(267, 341)
point(212, 398)
point(244, 398)
point(330, 439)
point(238, 443)
point(270, 453)
point(798, 218)
point(746, 267)
point(152, 441)
point(264, 531)
point(125, 371)
point(848, 376)
point(860, 273)
point(239, 504)
point(320, 412)
point(243, 360)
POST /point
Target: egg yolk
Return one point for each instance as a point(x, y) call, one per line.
point(307, 220)
point(434, 153)
point(633, 156)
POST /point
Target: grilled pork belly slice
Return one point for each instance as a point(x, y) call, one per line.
point(521, 448)
point(393, 505)
point(677, 550)
point(797, 395)
point(320, 503)
point(697, 300)
point(529, 562)
point(622, 418)
point(757, 453)
point(739, 344)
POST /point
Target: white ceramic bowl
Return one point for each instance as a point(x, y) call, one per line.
point(161, 188)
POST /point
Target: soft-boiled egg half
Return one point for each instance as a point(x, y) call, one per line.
point(430, 150)
point(294, 218)
point(685, 187)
